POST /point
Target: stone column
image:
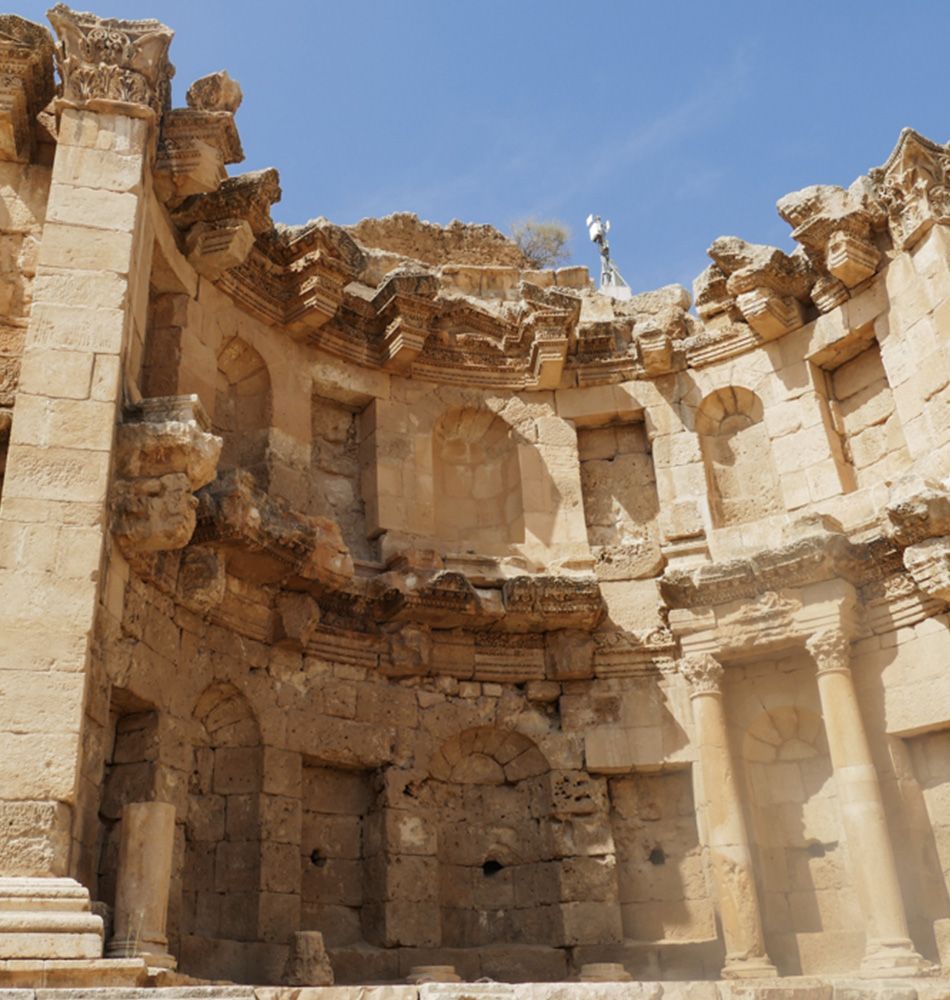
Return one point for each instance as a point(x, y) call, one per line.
point(889, 950)
point(728, 844)
point(90, 298)
point(145, 871)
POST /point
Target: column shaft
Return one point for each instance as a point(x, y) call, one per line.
point(727, 840)
point(889, 950)
point(145, 871)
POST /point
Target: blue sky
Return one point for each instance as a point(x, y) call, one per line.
point(678, 121)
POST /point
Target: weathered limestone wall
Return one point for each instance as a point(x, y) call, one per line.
point(462, 614)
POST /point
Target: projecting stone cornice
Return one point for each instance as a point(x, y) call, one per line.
point(822, 555)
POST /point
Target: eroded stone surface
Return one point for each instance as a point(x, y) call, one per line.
point(461, 617)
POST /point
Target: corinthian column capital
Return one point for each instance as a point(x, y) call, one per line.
point(830, 649)
point(703, 671)
point(112, 65)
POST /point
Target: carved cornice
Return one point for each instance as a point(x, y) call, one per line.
point(233, 511)
point(113, 65)
point(834, 227)
point(26, 82)
point(831, 650)
point(918, 509)
point(768, 287)
point(704, 673)
point(247, 196)
point(816, 557)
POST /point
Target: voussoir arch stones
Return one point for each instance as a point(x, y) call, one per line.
point(487, 756)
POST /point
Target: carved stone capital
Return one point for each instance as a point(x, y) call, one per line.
point(703, 671)
point(113, 65)
point(830, 649)
point(913, 186)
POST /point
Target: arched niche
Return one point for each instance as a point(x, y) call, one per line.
point(222, 863)
point(489, 796)
point(243, 407)
point(803, 861)
point(737, 455)
point(477, 498)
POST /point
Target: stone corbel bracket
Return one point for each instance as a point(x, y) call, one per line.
point(164, 453)
point(913, 187)
point(274, 542)
point(291, 277)
point(219, 228)
point(919, 512)
point(26, 83)
point(659, 341)
point(197, 142)
point(111, 65)
point(549, 326)
point(405, 307)
point(836, 228)
point(769, 287)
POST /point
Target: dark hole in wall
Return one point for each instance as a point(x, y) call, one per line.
point(317, 859)
point(657, 856)
point(818, 850)
point(491, 868)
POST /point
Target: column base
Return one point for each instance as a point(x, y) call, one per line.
point(154, 959)
point(47, 918)
point(753, 967)
point(893, 959)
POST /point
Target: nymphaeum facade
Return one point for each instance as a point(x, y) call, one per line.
point(368, 582)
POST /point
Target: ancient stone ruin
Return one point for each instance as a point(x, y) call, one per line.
point(379, 610)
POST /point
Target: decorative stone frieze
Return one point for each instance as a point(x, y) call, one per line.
point(547, 602)
point(912, 186)
point(248, 196)
point(26, 83)
point(111, 65)
point(410, 652)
